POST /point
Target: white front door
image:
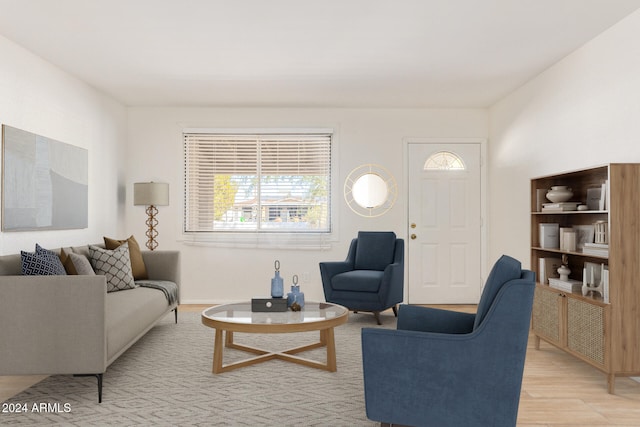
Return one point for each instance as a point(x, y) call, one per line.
point(444, 206)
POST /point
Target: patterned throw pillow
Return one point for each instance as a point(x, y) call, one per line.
point(138, 269)
point(42, 262)
point(114, 265)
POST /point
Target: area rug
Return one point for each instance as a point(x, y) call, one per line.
point(166, 379)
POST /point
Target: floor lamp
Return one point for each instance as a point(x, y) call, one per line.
point(151, 194)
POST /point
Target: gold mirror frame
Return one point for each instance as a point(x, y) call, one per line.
point(370, 178)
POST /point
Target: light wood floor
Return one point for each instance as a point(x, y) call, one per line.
point(557, 390)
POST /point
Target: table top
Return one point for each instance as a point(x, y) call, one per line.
point(239, 317)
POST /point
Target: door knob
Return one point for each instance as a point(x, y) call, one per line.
point(413, 237)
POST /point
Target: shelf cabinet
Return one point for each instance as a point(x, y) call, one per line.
point(602, 332)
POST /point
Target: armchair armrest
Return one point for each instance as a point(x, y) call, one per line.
point(427, 319)
point(52, 325)
point(331, 268)
point(392, 284)
point(408, 374)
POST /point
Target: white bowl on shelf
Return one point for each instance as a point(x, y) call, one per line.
point(559, 193)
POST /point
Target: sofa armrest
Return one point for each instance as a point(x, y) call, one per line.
point(52, 325)
point(163, 265)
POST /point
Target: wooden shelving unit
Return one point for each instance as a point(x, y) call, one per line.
point(604, 334)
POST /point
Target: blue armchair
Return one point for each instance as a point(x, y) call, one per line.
point(445, 368)
point(372, 276)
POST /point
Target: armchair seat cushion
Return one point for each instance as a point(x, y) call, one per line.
point(358, 280)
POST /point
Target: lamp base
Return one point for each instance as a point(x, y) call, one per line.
point(151, 222)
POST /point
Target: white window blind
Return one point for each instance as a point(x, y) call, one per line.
point(257, 183)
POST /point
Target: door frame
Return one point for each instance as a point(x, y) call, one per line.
point(483, 197)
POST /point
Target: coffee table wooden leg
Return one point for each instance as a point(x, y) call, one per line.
point(217, 352)
point(330, 342)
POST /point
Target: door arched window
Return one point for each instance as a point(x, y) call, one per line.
point(444, 161)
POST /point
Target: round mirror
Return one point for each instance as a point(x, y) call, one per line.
point(370, 190)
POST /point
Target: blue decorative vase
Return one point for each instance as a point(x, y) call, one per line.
point(277, 284)
point(295, 296)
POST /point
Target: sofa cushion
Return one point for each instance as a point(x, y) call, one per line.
point(66, 262)
point(138, 268)
point(129, 314)
point(81, 264)
point(114, 265)
point(41, 262)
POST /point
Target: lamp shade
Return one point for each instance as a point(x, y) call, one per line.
point(151, 193)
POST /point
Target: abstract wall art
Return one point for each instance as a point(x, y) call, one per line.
point(44, 183)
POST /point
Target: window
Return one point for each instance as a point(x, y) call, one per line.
point(257, 183)
point(444, 161)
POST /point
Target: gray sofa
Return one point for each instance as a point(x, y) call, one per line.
point(70, 324)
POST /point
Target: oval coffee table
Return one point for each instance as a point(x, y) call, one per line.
point(238, 317)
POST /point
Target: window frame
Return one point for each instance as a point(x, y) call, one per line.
point(268, 239)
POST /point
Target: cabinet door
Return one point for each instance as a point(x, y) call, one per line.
point(585, 330)
point(546, 319)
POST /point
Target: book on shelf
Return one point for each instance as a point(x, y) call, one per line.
point(550, 235)
point(567, 239)
point(548, 267)
point(603, 196)
point(541, 196)
point(597, 245)
point(566, 286)
point(595, 251)
point(560, 207)
point(593, 198)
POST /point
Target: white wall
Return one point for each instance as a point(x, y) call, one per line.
point(581, 112)
point(37, 97)
point(217, 274)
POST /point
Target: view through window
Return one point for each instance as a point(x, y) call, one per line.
point(257, 182)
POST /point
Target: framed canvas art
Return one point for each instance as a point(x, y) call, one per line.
point(44, 183)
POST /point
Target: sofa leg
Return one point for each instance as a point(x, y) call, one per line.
point(175, 311)
point(395, 310)
point(377, 316)
point(99, 377)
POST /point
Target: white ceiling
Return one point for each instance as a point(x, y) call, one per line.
point(304, 53)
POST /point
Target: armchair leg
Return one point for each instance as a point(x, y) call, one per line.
point(377, 316)
point(175, 310)
point(395, 310)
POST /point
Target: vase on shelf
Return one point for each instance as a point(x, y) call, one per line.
point(277, 284)
point(559, 193)
point(564, 269)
